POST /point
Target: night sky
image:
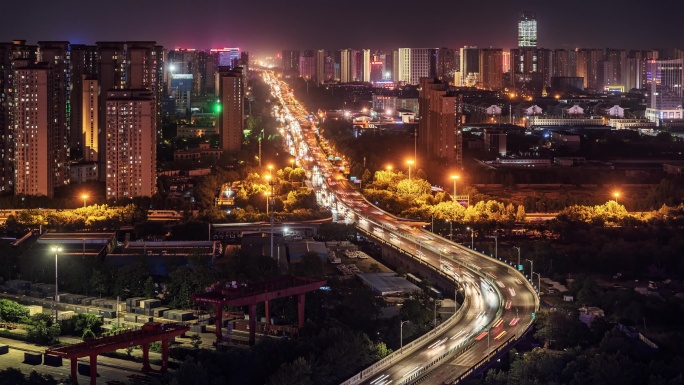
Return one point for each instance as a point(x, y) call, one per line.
point(267, 26)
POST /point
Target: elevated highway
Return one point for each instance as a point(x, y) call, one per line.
point(499, 301)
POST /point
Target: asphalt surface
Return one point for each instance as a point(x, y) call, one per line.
point(500, 305)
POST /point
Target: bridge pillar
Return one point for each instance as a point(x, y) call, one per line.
point(165, 354)
point(300, 309)
point(93, 369)
point(146, 357)
point(218, 320)
point(252, 324)
point(267, 307)
point(74, 370)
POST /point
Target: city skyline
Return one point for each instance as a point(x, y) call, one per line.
point(268, 26)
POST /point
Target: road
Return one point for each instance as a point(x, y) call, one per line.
point(500, 304)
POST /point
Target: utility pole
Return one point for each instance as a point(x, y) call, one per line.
point(517, 267)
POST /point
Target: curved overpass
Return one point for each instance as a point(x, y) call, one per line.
point(499, 300)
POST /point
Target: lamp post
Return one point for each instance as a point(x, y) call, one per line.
point(401, 336)
point(472, 238)
point(531, 267)
point(454, 177)
point(496, 247)
point(268, 200)
point(517, 248)
point(84, 199)
point(538, 282)
point(409, 162)
point(56, 250)
point(616, 195)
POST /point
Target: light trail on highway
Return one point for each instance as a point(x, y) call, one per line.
point(500, 303)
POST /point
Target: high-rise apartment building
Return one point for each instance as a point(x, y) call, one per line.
point(527, 30)
point(437, 128)
point(58, 58)
point(587, 66)
point(320, 66)
point(469, 67)
point(366, 65)
point(415, 63)
point(560, 64)
point(89, 112)
point(83, 62)
point(491, 68)
point(131, 132)
point(231, 117)
point(290, 63)
point(36, 131)
point(111, 76)
point(307, 65)
point(446, 64)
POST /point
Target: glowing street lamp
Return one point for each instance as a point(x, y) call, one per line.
point(84, 199)
point(454, 177)
point(56, 250)
point(268, 199)
point(410, 163)
point(616, 195)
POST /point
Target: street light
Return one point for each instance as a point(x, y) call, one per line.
point(472, 238)
point(56, 250)
point(268, 200)
point(389, 167)
point(454, 177)
point(517, 248)
point(496, 247)
point(401, 336)
point(616, 195)
point(538, 282)
point(410, 163)
point(531, 267)
point(84, 199)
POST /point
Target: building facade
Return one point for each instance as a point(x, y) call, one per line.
point(527, 30)
point(231, 116)
point(131, 143)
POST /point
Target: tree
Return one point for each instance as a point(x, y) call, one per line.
point(297, 372)
point(101, 282)
point(11, 311)
point(150, 288)
point(84, 323)
point(311, 265)
point(42, 330)
point(195, 341)
point(190, 373)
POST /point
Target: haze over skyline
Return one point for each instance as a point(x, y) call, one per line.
point(268, 26)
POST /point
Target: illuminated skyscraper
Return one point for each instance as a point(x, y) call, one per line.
point(664, 88)
point(527, 30)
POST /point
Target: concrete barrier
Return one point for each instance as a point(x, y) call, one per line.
point(51, 360)
point(33, 358)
